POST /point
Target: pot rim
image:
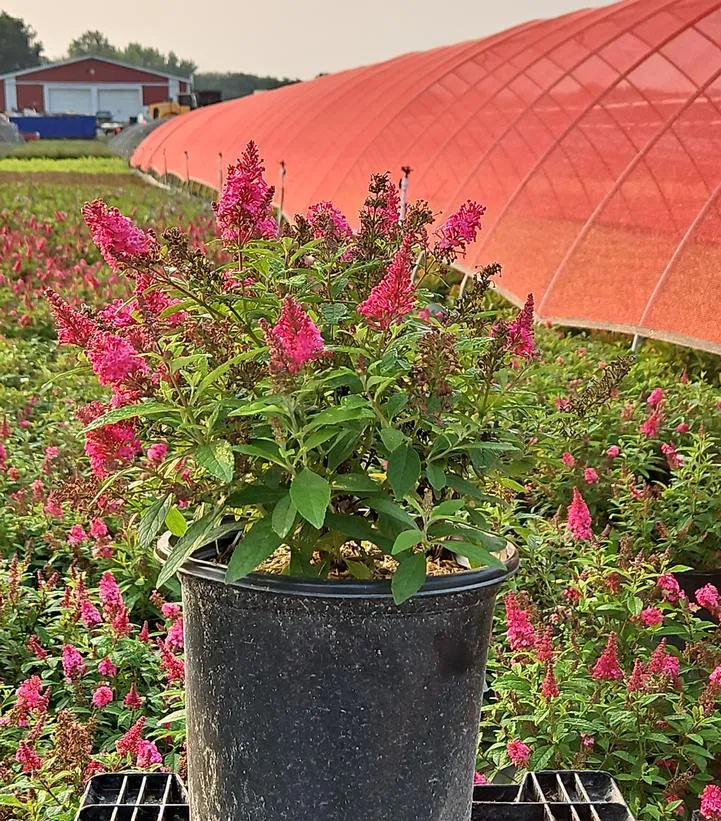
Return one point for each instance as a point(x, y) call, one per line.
point(199, 566)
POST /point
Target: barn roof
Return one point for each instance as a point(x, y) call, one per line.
point(46, 66)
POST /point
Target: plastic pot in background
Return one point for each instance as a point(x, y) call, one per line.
point(324, 701)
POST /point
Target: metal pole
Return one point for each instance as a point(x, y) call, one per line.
point(636, 344)
point(220, 170)
point(165, 167)
point(281, 187)
point(406, 169)
point(187, 169)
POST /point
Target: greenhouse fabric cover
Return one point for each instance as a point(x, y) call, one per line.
point(594, 139)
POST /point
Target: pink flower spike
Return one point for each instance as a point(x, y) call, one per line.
point(519, 336)
point(157, 452)
point(395, 295)
point(146, 755)
point(682, 427)
point(549, 688)
point(520, 632)
point(30, 760)
point(590, 477)
point(568, 459)
point(294, 339)
point(651, 617)
point(669, 587)
point(607, 667)
point(711, 803)
point(479, 780)
point(459, 230)
point(77, 535)
point(72, 327)
point(327, 222)
point(518, 753)
point(73, 665)
point(132, 699)
point(107, 668)
point(707, 597)
point(113, 359)
point(655, 397)
point(637, 682)
point(651, 425)
point(244, 210)
point(579, 518)
point(102, 696)
point(613, 451)
point(120, 241)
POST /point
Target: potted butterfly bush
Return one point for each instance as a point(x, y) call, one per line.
point(324, 454)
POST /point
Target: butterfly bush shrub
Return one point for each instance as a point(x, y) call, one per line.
point(308, 394)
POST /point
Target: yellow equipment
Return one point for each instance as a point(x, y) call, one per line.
point(171, 108)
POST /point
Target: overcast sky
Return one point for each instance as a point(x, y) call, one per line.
point(294, 38)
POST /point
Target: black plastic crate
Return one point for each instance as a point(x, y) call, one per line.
point(134, 797)
point(553, 795)
point(564, 795)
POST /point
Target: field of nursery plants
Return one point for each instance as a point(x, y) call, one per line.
point(602, 468)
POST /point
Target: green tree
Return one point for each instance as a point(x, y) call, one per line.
point(235, 84)
point(93, 43)
point(19, 47)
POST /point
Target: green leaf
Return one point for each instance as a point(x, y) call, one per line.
point(317, 438)
point(263, 450)
point(475, 554)
point(256, 408)
point(404, 470)
point(283, 516)
point(255, 495)
point(395, 404)
point(384, 505)
point(333, 312)
point(392, 438)
point(217, 459)
point(335, 416)
point(358, 570)
point(409, 577)
point(359, 483)
point(311, 496)
point(406, 540)
point(259, 542)
point(436, 476)
point(130, 412)
point(152, 521)
point(215, 374)
point(199, 534)
point(171, 718)
point(343, 447)
point(449, 508)
point(175, 522)
point(358, 529)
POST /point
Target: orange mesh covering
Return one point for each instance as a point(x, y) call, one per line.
point(594, 139)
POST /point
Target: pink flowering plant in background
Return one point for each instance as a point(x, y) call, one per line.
point(301, 399)
point(615, 671)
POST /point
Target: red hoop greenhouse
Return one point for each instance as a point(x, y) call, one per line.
point(594, 139)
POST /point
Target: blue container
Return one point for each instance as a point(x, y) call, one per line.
point(67, 127)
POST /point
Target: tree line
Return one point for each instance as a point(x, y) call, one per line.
point(20, 48)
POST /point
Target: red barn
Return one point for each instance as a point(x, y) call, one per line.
point(86, 85)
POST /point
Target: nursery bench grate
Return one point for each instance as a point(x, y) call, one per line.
point(563, 795)
point(134, 797)
point(552, 795)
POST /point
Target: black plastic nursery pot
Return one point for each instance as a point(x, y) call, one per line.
point(324, 701)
